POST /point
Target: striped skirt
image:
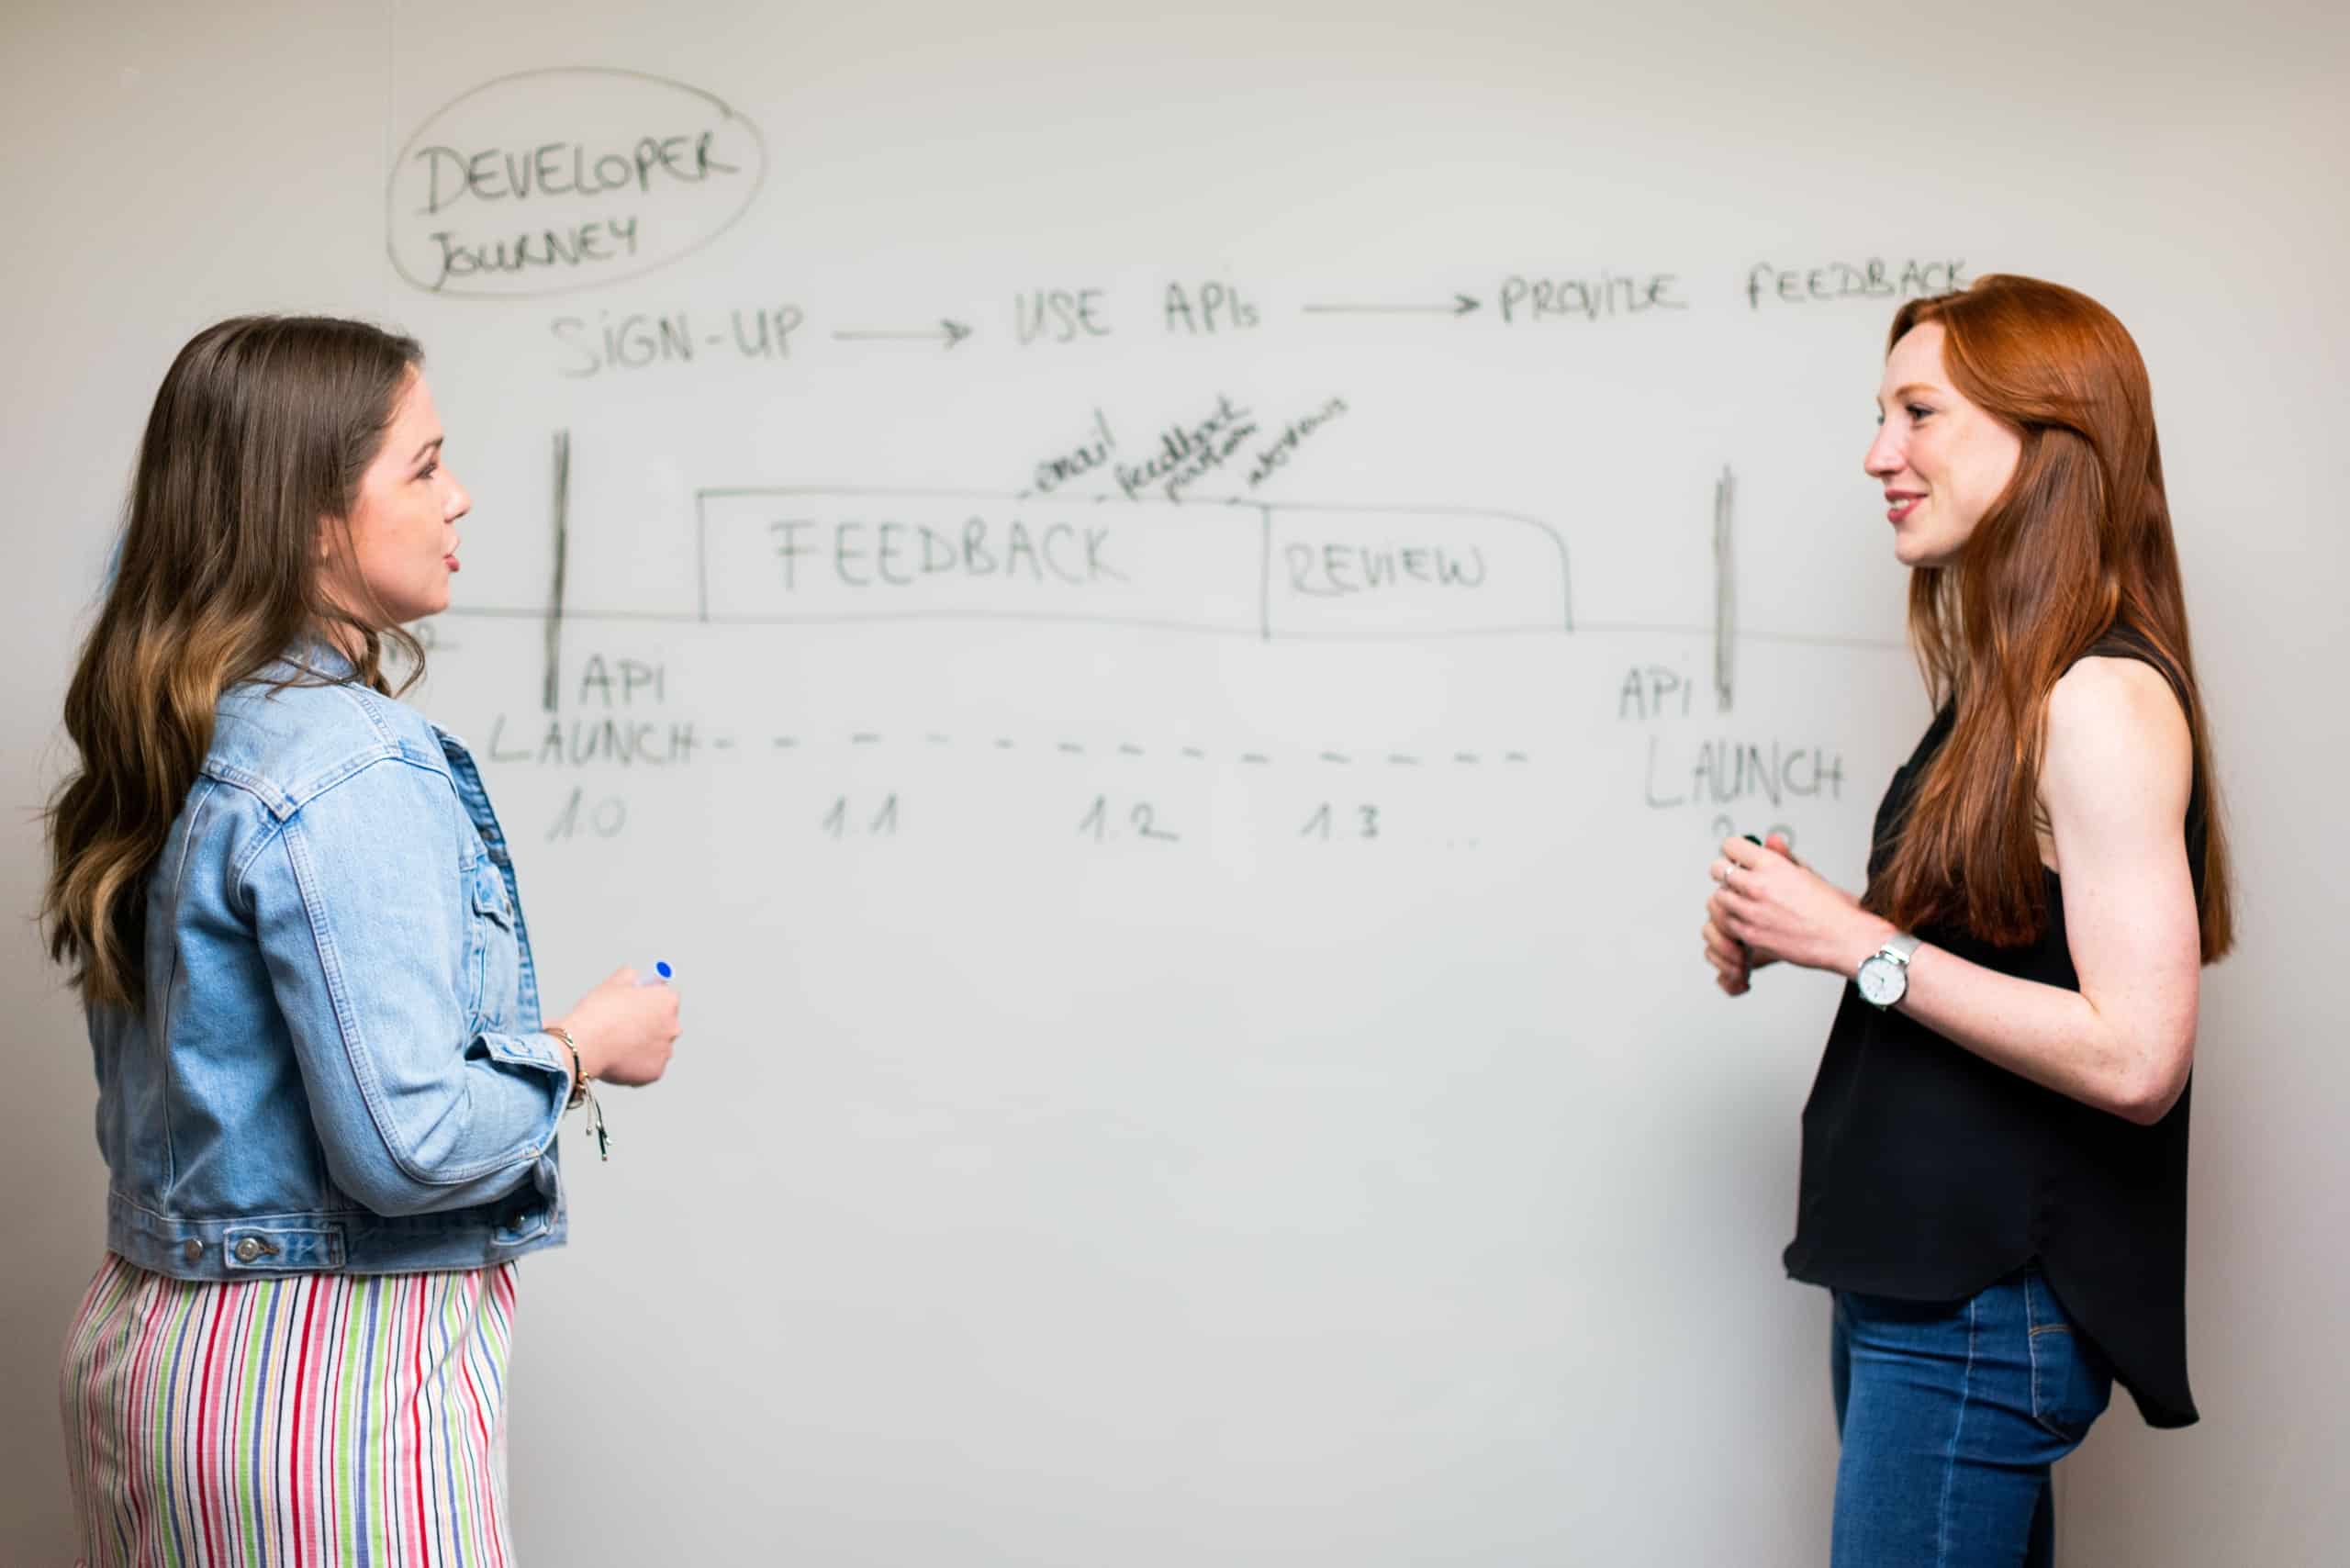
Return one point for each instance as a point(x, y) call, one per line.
point(305, 1420)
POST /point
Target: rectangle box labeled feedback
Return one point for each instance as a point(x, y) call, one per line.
point(813, 554)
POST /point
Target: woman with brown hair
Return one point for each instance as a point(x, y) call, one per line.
point(1994, 1175)
point(327, 1102)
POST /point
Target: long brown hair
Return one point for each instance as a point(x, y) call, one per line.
point(2077, 547)
point(258, 437)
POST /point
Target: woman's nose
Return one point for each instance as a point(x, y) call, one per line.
point(1883, 456)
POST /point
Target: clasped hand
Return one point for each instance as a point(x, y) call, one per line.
point(1769, 907)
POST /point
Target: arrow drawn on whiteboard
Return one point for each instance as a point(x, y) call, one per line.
point(1462, 305)
point(953, 332)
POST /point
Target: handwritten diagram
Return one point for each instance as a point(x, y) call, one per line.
point(1286, 570)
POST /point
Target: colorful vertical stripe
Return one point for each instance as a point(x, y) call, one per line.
point(296, 1422)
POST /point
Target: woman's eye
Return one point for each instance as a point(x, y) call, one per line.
point(1916, 412)
point(429, 470)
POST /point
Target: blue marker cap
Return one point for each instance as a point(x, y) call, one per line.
point(660, 975)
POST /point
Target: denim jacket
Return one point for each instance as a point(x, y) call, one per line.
point(339, 1067)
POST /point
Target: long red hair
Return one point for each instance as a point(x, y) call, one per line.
point(2077, 546)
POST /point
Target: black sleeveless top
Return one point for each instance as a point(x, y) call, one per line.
point(1930, 1174)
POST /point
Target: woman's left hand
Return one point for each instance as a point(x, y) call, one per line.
point(1781, 909)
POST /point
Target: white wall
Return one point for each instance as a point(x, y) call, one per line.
point(1022, 1197)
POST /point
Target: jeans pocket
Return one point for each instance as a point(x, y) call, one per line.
point(2071, 1382)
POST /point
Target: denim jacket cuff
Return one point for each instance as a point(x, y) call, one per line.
point(542, 1051)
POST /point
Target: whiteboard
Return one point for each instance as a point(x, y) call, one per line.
point(1160, 619)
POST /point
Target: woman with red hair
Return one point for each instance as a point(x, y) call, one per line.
point(1994, 1175)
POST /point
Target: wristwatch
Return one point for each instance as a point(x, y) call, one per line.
point(1884, 979)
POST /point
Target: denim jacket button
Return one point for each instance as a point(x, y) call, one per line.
point(248, 1249)
point(192, 1250)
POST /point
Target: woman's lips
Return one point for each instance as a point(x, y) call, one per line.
point(1902, 506)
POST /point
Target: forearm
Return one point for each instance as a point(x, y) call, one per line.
point(2057, 1038)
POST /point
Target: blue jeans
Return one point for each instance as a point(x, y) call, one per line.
point(1951, 1414)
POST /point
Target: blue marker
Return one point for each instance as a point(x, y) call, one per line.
point(660, 975)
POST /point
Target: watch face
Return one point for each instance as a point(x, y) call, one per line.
point(1882, 980)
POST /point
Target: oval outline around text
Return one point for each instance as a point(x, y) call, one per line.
point(726, 114)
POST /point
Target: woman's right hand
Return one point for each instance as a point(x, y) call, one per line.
point(624, 1031)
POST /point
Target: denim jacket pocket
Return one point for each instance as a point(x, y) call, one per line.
point(2071, 1382)
point(495, 960)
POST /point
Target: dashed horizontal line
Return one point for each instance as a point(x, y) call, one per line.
point(1129, 749)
